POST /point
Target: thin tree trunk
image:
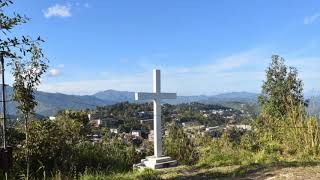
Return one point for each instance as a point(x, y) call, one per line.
point(27, 145)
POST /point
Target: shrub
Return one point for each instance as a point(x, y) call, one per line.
point(179, 146)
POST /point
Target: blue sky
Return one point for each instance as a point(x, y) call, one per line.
point(202, 47)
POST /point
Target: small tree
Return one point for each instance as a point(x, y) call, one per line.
point(27, 73)
point(27, 76)
point(281, 88)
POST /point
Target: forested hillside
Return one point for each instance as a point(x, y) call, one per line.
point(51, 103)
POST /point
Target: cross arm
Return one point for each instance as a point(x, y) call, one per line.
point(168, 96)
point(144, 96)
point(149, 96)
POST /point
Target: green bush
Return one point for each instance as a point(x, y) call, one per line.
point(179, 146)
point(61, 146)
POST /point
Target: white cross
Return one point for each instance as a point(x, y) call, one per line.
point(156, 96)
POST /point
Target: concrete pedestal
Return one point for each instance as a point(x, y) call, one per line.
point(156, 163)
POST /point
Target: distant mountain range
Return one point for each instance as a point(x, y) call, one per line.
point(115, 96)
point(120, 96)
point(244, 97)
point(50, 103)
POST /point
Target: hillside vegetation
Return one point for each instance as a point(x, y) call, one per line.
point(284, 141)
point(284, 136)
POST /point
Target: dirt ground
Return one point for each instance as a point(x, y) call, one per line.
point(292, 173)
point(286, 171)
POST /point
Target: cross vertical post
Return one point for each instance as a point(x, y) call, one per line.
point(157, 114)
point(156, 96)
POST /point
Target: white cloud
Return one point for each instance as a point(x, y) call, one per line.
point(220, 75)
point(54, 72)
point(244, 71)
point(58, 11)
point(232, 62)
point(216, 65)
point(311, 19)
point(84, 87)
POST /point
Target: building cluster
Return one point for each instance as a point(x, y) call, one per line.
point(224, 113)
point(192, 128)
point(100, 120)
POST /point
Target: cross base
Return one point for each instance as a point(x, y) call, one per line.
point(156, 163)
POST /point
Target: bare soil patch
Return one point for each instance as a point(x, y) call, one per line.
point(279, 171)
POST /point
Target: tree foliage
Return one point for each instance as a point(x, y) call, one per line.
point(27, 74)
point(281, 88)
point(27, 63)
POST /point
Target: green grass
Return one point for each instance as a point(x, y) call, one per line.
point(202, 172)
point(146, 174)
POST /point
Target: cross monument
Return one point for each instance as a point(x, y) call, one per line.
point(157, 161)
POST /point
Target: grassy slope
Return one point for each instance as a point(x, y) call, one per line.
point(282, 170)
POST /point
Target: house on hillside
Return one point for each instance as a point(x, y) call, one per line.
point(240, 127)
point(214, 132)
point(101, 120)
point(94, 119)
point(219, 111)
point(114, 130)
point(136, 133)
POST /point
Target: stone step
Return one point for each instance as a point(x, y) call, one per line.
point(161, 165)
point(158, 159)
